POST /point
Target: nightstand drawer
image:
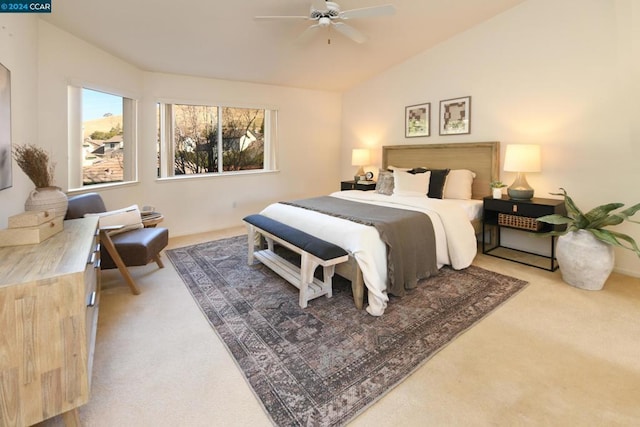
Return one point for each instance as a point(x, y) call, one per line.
point(530, 208)
point(360, 185)
point(347, 185)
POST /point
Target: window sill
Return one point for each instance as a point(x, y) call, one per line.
point(96, 187)
point(216, 175)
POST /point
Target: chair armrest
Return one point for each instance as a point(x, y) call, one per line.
point(111, 227)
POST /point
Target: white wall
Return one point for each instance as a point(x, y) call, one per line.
point(308, 150)
point(18, 52)
point(560, 73)
point(308, 143)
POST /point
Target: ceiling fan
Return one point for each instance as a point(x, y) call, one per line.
point(327, 14)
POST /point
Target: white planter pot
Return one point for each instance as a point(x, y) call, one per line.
point(44, 199)
point(497, 193)
point(585, 262)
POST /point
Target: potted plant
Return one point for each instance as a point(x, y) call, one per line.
point(585, 248)
point(34, 162)
point(496, 188)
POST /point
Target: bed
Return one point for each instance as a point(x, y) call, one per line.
point(455, 221)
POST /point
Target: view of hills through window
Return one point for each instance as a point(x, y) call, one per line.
point(102, 138)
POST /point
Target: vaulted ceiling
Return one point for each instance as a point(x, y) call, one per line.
point(221, 39)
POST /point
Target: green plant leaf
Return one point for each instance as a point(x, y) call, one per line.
point(606, 222)
point(572, 209)
point(613, 219)
point(630, 212)
point(600, 212)
point(611, 237)
point(555, 219)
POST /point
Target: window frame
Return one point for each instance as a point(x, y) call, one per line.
point(166, 146)
point(75, 135)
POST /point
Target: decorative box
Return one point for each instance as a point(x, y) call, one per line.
point(31, 218)
point(30, 228)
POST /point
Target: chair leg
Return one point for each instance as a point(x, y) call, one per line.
point(108, 244)
point(158, 260)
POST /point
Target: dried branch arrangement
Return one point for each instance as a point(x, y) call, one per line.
point(34, 162)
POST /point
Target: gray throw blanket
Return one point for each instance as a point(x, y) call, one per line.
point(408, 235)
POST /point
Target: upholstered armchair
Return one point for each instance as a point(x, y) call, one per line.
point(125, 242)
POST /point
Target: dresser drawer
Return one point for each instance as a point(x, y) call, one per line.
point(92, 299)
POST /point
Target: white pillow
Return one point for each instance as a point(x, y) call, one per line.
point(458, 184)
point(129, 218)
point(393, 168)
point(408, 184)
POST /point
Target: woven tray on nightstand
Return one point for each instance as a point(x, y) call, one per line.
point(522, 222)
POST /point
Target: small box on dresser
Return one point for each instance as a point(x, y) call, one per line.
point(30, 227)
point(31, 218)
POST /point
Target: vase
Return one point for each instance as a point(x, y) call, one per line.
point(585, 262)
point(47, 198)
point(497, 193)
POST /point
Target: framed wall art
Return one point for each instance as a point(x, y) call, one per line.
point(417, 120)
point(455, 116)
point(5, 128)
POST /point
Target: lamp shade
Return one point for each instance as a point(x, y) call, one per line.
point(360, 157)
point(522, 158)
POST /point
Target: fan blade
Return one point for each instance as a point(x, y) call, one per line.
point(271, 18)
point(308, 33)
point(350, 32)
point(367, 12)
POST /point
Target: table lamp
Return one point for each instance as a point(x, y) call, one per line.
point(521, 158)
point(359, 157)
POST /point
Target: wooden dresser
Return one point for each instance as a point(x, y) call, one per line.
point(49, 295)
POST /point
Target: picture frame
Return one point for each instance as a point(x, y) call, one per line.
point(455, 116)
point(417, 120)
point(6, 177)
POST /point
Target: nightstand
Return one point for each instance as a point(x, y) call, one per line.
point(519, 215)
point(360, 185)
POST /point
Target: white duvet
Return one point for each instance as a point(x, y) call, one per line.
point(455, 238)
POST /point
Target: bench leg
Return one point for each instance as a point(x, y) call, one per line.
point(251, 236)
point(307, 268)
point(327, 274)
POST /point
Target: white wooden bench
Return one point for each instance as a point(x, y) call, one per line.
point(314, 252)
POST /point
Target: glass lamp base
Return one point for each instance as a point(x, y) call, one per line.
point(520, 189)
point(519, 194)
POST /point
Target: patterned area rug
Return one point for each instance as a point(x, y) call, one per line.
point(322, 365)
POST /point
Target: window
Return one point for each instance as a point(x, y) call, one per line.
point(203, 139)
point(102, 143)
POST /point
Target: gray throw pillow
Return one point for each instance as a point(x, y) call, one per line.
point(385, 182)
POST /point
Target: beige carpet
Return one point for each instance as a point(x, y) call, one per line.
point(552, 355)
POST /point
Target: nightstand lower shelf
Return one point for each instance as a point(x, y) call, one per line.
point(523, 257)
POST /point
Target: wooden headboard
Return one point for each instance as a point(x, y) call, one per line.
point(483, 158)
